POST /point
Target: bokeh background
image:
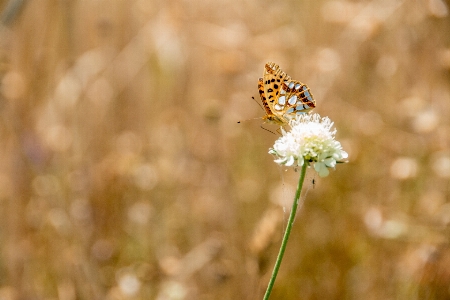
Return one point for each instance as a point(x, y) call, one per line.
point(125, 175)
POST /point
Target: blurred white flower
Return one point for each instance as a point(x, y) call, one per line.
point(311, 140)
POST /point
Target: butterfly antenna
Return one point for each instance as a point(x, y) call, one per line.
point(258, 103)
point(259, 118)
point(267, 130)
point(255, 118)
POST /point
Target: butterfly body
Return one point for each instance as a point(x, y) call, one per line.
point(282, 97)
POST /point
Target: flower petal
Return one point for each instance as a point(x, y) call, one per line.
point(311, 139)
point(290, 161)
point(330, 162)
point(321, 169)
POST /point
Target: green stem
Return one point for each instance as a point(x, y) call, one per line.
point(286, 233)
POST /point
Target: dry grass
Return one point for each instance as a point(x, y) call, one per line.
point(124, 175)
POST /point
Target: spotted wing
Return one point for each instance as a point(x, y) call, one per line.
point(263, 97)
point(270, 117)
point(284, 97)
point(295, 98)
point(269, 89)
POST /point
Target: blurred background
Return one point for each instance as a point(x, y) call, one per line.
point(124, 173)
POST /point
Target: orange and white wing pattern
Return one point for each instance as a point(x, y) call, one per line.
point(282, 97)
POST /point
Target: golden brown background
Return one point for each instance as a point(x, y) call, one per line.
point(124, 173)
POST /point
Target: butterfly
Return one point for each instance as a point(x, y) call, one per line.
point(282, 97)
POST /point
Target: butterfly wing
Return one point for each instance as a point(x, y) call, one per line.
point(269, 89)
point(262, 94)
point(297, 99)
point(283, 97)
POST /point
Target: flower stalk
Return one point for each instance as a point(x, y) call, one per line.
point(311, 141)
point(286, 233)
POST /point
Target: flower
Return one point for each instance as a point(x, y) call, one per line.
point(311, 140)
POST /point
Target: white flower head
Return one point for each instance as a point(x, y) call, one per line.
point(311, 140)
